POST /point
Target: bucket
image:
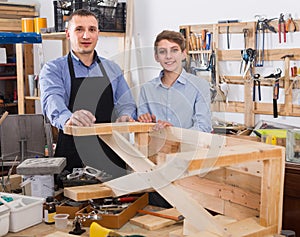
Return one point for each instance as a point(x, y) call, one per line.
point(39, 23)
point(27, 25)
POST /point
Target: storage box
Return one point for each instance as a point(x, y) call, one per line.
point(4, 220)
point(3, 58)
point(116, 221)
point(112, 18)
point(71, 210)
point(24, 211)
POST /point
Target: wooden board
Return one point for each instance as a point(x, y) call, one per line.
point(83, 193)
point(150, 222)
point(108, 128)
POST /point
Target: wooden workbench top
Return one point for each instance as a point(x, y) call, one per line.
point(43, 229)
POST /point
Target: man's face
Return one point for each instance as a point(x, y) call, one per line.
point(83, 34)
point(170, 56)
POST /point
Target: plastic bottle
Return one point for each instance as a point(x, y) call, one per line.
point(49, 211)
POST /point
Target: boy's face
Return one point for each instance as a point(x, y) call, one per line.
point(170, 56)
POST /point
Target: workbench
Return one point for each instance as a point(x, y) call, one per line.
point(43, 229)
point(240, 180)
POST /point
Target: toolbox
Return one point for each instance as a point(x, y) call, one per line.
point(116, 221)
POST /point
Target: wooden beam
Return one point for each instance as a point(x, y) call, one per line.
point(108, 128)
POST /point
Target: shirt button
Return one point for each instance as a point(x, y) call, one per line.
point(169, 119)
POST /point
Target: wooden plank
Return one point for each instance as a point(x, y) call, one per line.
point(150, 222)
point(272, 193)
point(12, 184)
point(227, 156)
point(259, 108)
point(17, 5)
point(83, 193)
point(108, 128)
point(20, 79)
point(17, 14)
point(221, 190)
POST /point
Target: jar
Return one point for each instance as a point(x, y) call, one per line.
point(49, 211)
point(294, 70)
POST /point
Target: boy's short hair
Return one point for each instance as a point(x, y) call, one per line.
point(172, 36)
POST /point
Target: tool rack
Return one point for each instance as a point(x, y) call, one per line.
point(248, 107)
point(240, 180)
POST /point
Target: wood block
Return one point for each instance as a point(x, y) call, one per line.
point(150, 222)
point(83, 193)
point(13, 184)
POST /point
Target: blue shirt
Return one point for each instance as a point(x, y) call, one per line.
point(185, 104)
point(55, 86)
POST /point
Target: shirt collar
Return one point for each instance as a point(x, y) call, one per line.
point(181, 79)
point(79, 61)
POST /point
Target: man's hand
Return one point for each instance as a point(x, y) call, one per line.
point(161, 124)
point(124, 118)
point(82, 118)
point(147, 118)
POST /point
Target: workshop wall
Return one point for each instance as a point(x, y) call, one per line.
point(151, 17)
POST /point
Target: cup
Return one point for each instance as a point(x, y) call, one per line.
point(61, 221)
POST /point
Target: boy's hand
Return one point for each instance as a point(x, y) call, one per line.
point(124, 118)
point(147, 118)
point(161, 124)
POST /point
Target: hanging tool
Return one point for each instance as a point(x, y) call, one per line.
point(227, 30)
point(243, 52)
point(275, 75)
point(290, 24)
point(261, 26)
point(249, 60)
point(256, 80)
point(281, 28)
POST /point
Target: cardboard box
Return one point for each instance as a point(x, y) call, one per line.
point(116, 221)
point(71, 210)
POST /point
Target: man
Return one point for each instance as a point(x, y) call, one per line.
point(81, 89)
point(175, 97)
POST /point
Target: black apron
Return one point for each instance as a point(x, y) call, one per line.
point(96, 95)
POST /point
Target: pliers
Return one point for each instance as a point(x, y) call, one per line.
point(290, 21)
point(256, 79)
point(281, 28)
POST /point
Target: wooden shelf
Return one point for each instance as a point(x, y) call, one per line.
point(248, 107)
point(8, 77)
point(7, 64)
point(32, 98)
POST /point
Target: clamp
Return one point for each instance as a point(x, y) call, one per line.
point(277, 75)
point(261, 26)
point(281, 28)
